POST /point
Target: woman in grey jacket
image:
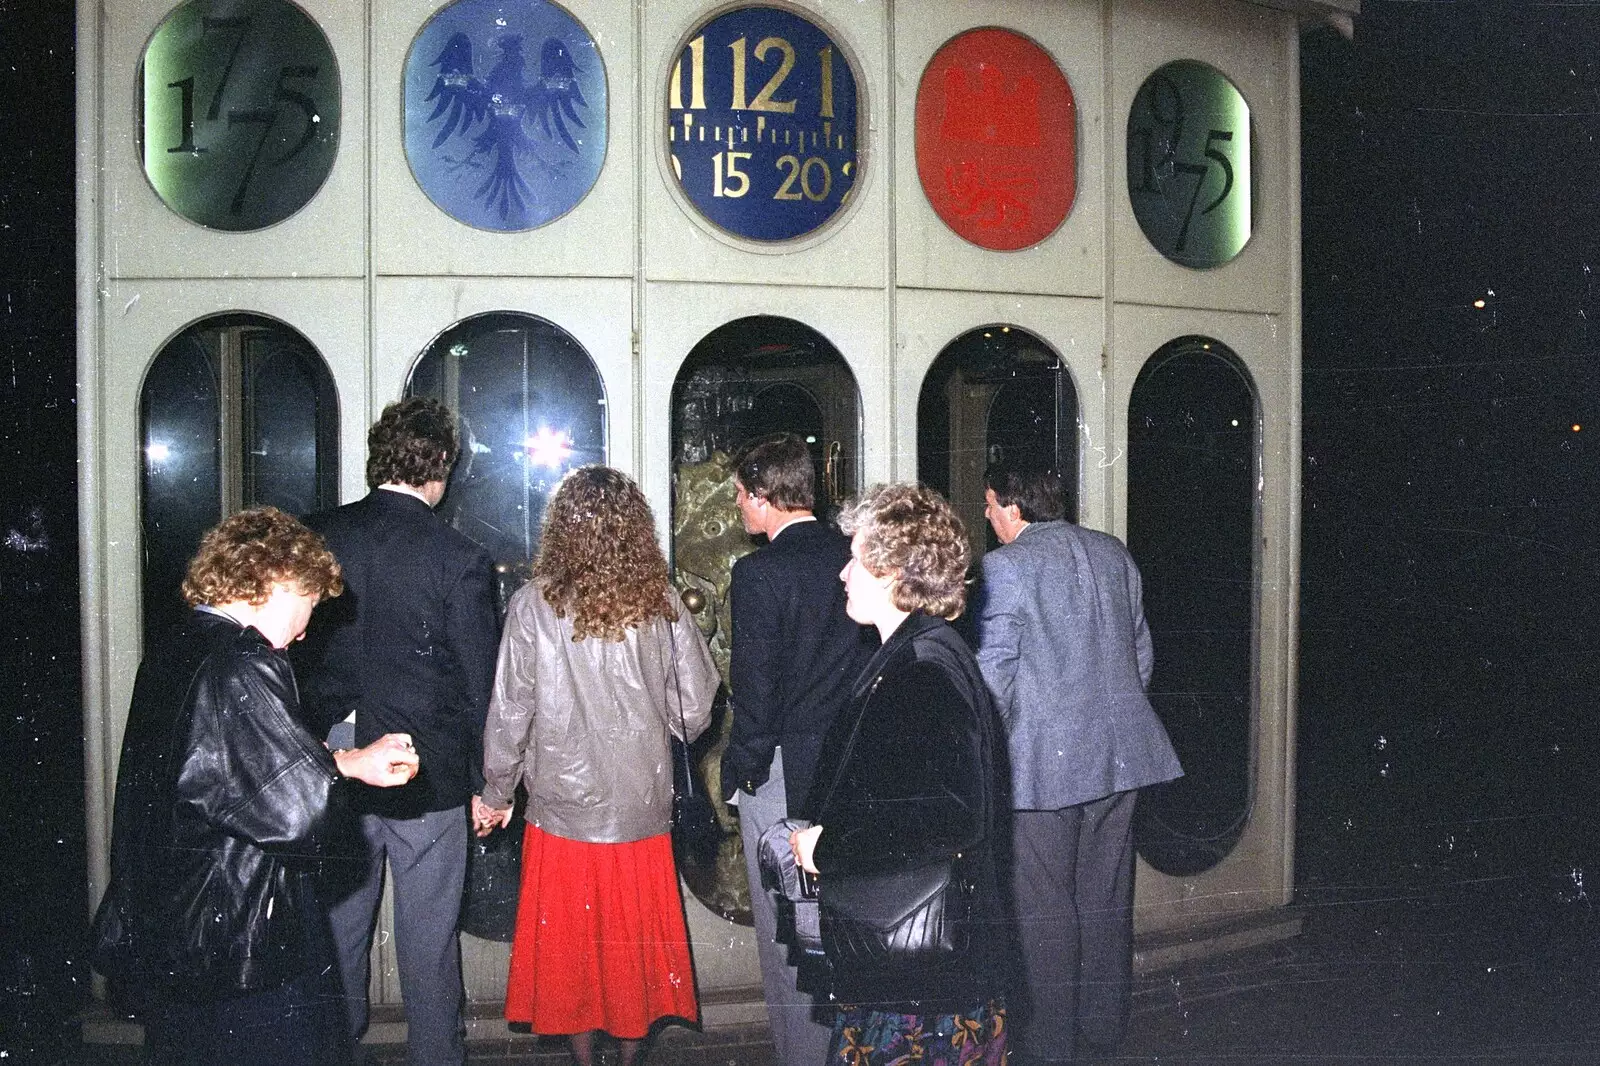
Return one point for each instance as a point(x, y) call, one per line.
point(599, 662)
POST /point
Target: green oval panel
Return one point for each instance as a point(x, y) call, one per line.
point(1189, 173)
point(238, 111)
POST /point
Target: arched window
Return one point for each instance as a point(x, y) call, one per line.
point(1193, 505)
point(996, 393)
point(236, 410)
point(532, 407)
point(743, 380)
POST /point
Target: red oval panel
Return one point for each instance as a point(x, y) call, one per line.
point(997, 139)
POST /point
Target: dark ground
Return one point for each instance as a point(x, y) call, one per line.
point(1449, 625)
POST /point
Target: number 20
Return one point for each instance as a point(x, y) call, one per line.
point(801, 173)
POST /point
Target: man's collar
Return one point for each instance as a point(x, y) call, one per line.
point(791, 522)
point(405, 490)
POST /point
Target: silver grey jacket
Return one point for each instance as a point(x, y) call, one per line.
point(584, 724)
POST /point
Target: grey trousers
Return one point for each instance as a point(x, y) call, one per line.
point(799, 1038)
point(428, 857)
point(1072, 877)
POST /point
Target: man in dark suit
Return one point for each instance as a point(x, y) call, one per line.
point(1063, 645)
point(795, 655)
point(411, 649)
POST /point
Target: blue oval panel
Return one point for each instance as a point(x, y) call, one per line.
point(505, 112)
point(761, 123)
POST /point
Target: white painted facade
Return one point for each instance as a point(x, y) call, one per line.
point(370, 271)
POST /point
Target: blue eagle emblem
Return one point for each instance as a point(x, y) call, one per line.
point(511, 119)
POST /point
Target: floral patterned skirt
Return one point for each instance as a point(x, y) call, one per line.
point(865, 1037)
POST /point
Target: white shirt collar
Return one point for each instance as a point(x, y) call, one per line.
point(404, 490)
point(791, 522)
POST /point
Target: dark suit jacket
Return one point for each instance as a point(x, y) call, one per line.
point(1063, 645)
point(410, 646)
point(795, 656)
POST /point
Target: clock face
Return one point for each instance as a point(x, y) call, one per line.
point(239, 111)
point(761, 123)
point(505, 112)
point(1189, 176)
point(997, 139)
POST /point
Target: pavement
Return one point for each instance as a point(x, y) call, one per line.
point(1497, 971)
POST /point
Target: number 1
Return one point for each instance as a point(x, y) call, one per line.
point(186, 135)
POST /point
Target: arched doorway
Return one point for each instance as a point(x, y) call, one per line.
point(237, 410)
point(532, 407)
point(1193, 502)
point(746, 379)
point(995, 393)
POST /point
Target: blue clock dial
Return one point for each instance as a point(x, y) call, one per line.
point(761, 123)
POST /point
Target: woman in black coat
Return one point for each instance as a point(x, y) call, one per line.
point(908, 779)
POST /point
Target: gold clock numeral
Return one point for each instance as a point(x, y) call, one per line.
point(697, 78)
point(801, 174)
point(825, 56)
point(725, 165)
point(763, 100)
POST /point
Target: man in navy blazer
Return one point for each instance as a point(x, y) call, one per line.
point(796, 655)
point(1063, 645)
point(410, 648)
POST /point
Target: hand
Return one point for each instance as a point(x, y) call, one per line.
point(386, 762)
point(803, 842)
point(486, 819)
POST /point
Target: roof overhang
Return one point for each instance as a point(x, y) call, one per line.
point(1340, 14)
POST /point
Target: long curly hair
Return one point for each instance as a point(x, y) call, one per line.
point(598, 556)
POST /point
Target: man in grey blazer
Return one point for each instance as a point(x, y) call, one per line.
point(1063, 645)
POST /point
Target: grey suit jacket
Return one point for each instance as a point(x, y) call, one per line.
point(1063, 645)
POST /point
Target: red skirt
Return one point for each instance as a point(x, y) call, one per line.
point(600, 940)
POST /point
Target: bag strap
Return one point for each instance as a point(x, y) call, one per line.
point(683, 728)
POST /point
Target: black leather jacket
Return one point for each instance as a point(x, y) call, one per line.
point(221, 795)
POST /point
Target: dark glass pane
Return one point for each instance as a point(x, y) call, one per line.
point(532, 407)
point(1192, 504)
point(181, 484)
point(237, 410)
point(995, 393)
point(763, 375)
point(291, 420)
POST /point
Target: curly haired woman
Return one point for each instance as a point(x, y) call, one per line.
point(908, 778)
point(599, 661)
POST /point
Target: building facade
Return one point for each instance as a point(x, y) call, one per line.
point(925, 234)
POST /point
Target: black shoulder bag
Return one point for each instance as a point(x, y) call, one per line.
point(920, 915)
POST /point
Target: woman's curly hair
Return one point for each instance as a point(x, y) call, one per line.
point(244, 555)
point(598, 556)
point(910, 531)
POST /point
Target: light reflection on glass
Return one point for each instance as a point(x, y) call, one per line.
point(512, 378)
point(548, 447)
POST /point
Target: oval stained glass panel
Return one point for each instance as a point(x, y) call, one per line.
point(761, 124)
point(238, 111)
point(997, 139)
point(1189, 164)
point(505, 112)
